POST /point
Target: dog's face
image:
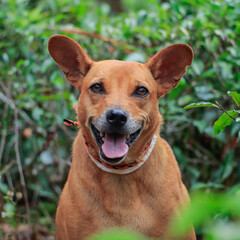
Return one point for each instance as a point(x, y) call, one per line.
point(118, 104)
point(118, 101)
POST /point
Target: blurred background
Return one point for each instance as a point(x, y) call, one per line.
point(35, 146)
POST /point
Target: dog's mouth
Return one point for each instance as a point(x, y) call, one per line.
point(114, 146)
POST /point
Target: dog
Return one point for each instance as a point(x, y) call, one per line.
point(123, 173)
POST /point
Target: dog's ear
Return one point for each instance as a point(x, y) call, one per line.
point(71, 58)
point(169, 65)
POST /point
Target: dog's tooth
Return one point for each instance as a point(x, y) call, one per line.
point(128, 136)
point(102, 134)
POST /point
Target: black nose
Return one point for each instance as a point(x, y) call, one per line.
point(116, 117)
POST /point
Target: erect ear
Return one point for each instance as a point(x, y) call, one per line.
point(71, 58)
point(169, 65)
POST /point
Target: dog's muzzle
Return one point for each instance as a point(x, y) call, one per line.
point(115, 132)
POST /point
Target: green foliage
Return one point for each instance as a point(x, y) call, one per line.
point(223, 121)
point(226, 118)
point(215, 213)
point(236, 97)
point(117, 234)
point(32, 85)
point(9, 209)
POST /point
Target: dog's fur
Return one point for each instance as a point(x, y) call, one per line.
point(146, 199)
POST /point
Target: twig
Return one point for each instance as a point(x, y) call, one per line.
point(200, 161)
point(8, 166)
point(79, 31)
point(92, 35)
point(16, 148)
point(12, 105)
point(4, 132)
point(9, 180)
point(65, 130)
point(1, 207)
point(221, 108)
point(203, 150)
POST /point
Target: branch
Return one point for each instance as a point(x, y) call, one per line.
point(20, 170)
point(4, 131)
point(1, 207)
point(16, 148)
point(221, 108)
point(79, 31)
point(13, 106)
point(7, 167)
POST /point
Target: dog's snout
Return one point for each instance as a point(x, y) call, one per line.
point(116, 117)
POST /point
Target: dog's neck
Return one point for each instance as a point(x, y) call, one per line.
point(126, 168)
point(83, 162)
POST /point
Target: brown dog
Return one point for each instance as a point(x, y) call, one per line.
point(123, 173)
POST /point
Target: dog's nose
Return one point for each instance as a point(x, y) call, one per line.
point(116, 117)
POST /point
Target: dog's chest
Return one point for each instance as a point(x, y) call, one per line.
point(129, 205)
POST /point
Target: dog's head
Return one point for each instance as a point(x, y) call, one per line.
point(118, 104)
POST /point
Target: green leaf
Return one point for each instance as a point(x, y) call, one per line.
point(223, 121)
point(204, 93)
point(3, 188)
point(203, 207)
point(185, 99)
point(200, 104)
point(9, 209)
point(228, 165)
point(135, 57)
point(200, 125)
point(50, 97)
point(117, 234)
point(235, 96)
point(210, 73)
point(198, 66)
point(37, 113)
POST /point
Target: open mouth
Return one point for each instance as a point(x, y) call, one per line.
point(114, 146)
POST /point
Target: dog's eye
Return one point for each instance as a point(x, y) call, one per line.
point(141, 92)
point(97, 88)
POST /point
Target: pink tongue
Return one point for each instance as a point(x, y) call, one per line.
point(114, 145)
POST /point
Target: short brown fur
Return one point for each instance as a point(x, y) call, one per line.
point(144, 200)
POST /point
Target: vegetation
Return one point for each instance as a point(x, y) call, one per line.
point(34, 98)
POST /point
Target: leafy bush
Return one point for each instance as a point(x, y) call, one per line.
point(35, 97)
point(226, 118)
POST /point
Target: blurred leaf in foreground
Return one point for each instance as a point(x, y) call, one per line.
point(117, 234)
point(204, 210)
